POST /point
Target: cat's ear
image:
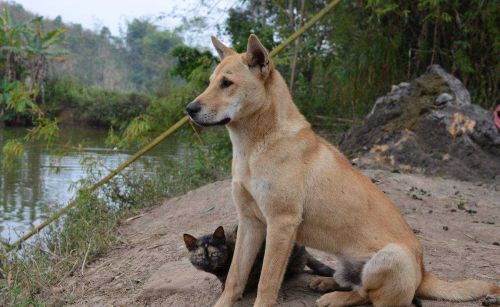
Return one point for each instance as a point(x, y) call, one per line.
point(190, 241)
point(219, 234)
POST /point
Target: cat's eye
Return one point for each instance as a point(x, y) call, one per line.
point(225, 83)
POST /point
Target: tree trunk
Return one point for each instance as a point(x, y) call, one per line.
point(263, 8)
point(8, 74)
point(297, 47)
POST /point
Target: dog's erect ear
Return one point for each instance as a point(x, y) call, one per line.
point(222, 49)
point(257, 55)
point(190, 241)
point(219, 234)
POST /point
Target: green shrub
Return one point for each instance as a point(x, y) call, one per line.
point(93, 105)
point(61, 93)
point(103, 107)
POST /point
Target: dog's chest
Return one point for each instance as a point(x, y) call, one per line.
point(241, 170)
point(248, 188)
point(245, 200)
point(247, 174)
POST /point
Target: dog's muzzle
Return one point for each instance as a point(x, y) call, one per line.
point(193, 108)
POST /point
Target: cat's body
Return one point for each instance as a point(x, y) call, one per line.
point(213, 253)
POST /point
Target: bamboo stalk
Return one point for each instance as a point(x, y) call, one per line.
point(160, 138)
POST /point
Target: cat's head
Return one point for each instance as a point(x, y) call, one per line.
point(209, 252)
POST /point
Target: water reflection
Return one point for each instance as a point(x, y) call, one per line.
point(33, 189)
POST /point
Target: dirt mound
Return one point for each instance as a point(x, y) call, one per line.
point(428, 125)
point(457, 223)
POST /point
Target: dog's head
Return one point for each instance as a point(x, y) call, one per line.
point(237, 85)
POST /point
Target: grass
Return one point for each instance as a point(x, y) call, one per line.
point(35, 274)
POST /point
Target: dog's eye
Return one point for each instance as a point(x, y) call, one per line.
point(226, 83)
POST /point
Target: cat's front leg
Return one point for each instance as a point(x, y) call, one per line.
point(250, 237)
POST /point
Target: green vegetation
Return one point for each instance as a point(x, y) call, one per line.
point(137, 61)
point(49, 68)
point(93, 105)
point(26, 50)
point(356, 53)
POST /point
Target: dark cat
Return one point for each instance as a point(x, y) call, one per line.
point(213, 254)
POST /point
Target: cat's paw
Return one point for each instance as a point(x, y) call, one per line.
point(323, 284)
point(491, 300)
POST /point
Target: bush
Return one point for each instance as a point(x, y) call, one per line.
point(61, 93)
point(103, 107)
point(93, 105)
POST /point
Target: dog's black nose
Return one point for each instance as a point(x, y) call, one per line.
point(193, 108)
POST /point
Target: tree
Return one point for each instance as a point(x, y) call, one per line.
point(148, 52)
point(189, 60)
point(39, 51)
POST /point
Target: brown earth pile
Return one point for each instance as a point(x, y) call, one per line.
point(430, 126)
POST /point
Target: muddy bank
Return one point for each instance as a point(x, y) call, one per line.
point(428, 126)
point(457, 222)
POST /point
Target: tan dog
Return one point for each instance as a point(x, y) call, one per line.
point(291, 185)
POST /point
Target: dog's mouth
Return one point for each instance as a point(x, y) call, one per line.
point(222, 122)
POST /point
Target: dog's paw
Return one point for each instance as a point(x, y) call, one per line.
point(225, 300)
point(327, 300)
point(491, 300)
point(323, 284)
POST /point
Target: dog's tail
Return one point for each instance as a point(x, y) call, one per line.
point(432, 287)
point(318, 267)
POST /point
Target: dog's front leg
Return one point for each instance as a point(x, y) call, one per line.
point(251, 234)
point(281, 234)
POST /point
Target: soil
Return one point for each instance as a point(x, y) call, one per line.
point(428, 125)
point(457, 222)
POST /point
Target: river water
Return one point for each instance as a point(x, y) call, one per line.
point(42, 181)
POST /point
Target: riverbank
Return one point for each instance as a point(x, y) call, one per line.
point(89, 229)
point(457, 223)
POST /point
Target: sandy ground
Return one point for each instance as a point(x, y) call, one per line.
point(150, 267)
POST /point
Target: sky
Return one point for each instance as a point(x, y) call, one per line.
point(93, 14)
